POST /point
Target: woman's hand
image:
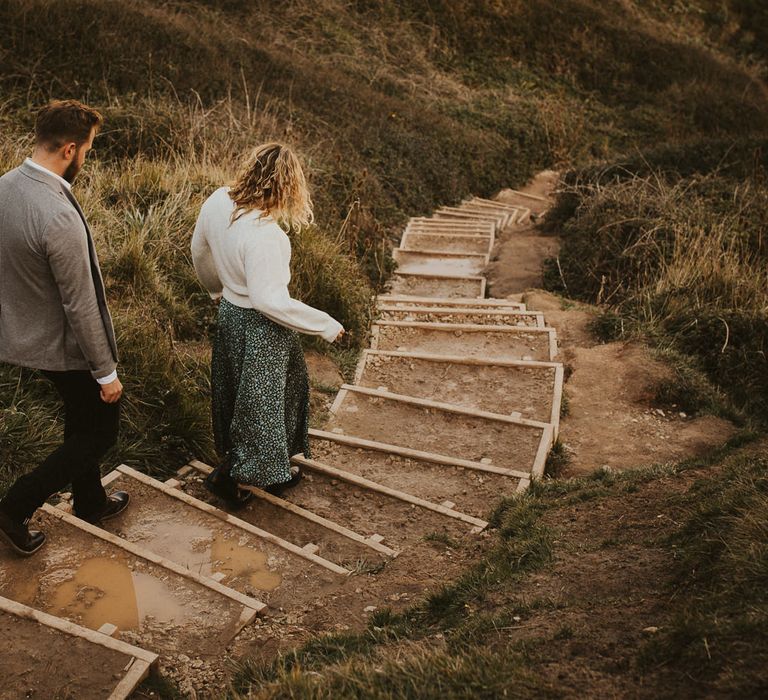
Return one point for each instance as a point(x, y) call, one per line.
point(338, 337)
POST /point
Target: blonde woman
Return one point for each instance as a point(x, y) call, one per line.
point(260, 388)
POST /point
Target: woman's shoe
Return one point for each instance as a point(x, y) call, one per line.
point(277, 489)
point(225, 487)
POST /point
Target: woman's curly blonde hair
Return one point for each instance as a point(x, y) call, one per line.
point(273, 182)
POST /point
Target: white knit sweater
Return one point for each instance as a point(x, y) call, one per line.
point(248, 263)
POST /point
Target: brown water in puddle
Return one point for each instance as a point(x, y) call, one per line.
point(243, 562)
point(201, 549)
point(106, 590)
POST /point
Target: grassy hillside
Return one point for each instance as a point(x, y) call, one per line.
point(396, 107)
point(646, 584)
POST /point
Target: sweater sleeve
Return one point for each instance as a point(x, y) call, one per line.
point(202, 259)
point(267, 274)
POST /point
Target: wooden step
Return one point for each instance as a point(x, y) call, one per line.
point(433, 263)
point(531, 390)
point(344, 546)
point(505, 217)
point(472, 491)
point(459, 225)
point(219, 545)
point(470, 303)
point(467, 340)
point(410, 453)
point(91, 577)
point(421, 424)
point(519, 215)
point(458, 314)
point(42, 655)
point(449, 214)
point(438, 286)
point(369, 484)
point(446, 243)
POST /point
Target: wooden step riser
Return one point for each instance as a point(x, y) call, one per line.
point(489, 342)
point(526, 391)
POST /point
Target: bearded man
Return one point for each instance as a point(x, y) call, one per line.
point(54, 318)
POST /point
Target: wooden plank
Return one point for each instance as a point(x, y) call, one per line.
point(441, 253)
point(421, 455)
point(469, 214)
point(439, 310)
point(474, 278)
point(469, 327)
point(557, 399)
point(493, 204)
point(530, 196)
point(308, 515)
point(229, 518)
point(143, 553)
point(540, 461)
point(130, 681)
point(462, 360)
point(449, 301)
point(447, 407)
point(394, 493)
point(552, 344)
point(24, 611)
point(523, 485)
point(443, 234)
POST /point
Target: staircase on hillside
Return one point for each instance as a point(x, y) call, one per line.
point(456, 402)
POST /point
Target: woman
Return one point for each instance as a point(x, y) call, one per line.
point(260, 388)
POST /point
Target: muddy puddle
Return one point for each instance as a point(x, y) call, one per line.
point(203, 543)
point(91, 582)
point(493, 388)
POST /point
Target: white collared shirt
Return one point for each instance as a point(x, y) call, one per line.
point(43, 169)
point(31, 163)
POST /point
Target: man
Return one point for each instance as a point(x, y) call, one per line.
point(54, 318)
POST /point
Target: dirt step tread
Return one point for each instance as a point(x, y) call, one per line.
point(90, 665)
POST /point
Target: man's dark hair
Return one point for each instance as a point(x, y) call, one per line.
point(65, 121)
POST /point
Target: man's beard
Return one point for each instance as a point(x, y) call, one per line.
point(72, 169)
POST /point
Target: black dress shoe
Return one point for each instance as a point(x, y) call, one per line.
point(116, 503)
point(21, 539)
point(278, 489)
point(225, 487)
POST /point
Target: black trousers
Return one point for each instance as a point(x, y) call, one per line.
point(90, 429)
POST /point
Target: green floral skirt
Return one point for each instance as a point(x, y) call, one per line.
point(260, 395)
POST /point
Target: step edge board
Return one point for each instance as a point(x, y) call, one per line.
point(61, 624)
point(466, 360)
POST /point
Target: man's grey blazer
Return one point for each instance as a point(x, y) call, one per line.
point(53, 310)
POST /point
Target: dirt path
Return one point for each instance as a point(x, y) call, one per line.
point(611, 418)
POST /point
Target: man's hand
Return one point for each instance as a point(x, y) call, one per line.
point(111, 393)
